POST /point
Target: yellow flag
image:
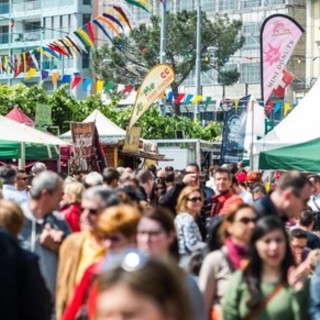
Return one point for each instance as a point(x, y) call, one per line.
point(99, 85)
point(236, 104)
point(86, 37)
point(286, 108)
point(54, 77)
point(196, 99)
point(31, 73)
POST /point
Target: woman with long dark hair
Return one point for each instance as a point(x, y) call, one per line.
point(270, 287)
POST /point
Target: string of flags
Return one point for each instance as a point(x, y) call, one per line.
point(111, 23)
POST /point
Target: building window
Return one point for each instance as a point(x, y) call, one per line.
point(251, 3)
point(228, 4)
point(250, 73)
point(185, 5)
point(251, 35)
point(86, 2)
point(208, 5)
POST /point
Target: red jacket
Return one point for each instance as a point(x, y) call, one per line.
point(71, 213)
point(84, 294)
point(218, 202)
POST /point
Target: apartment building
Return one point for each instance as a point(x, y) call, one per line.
point(247, 60)
point(26, 25)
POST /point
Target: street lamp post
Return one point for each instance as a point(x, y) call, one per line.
point(198, 60)
point(163, 47)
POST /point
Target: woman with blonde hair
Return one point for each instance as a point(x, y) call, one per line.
point(11, 217)
point(71, 204)
point(189, 204)
point(234, 233)
point(117, 229)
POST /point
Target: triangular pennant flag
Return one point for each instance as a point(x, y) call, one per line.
point(180, 98)
point(207, 102)
point(196, 99)
point(73, 44)
point(109, 24)
point(112, 18)
point(170, 97)
point(76, 80)
point(188, 98)
point(127, 89)
point(99, 86)
point(66, 78)
point(109, 86)
point(269, 108)
point(287, 77)
point(51, 52)
point(85, 36)
point(122, 15)
point(24, 59)
point(86, 84)
point(89, 29)
point(54, 77)
point(236, 104)
point(80, 38)
point(95, 21)
point(77, 39)
point(277, 107)
point(286, 108)
point(44, 74)
point(279, 92)
point(136, 3)
point(31, 73)
point(66, 47)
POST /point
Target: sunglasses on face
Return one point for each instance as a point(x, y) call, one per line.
point(23, 178)
point(195, 199)
point(91, 211)
point(246, 220)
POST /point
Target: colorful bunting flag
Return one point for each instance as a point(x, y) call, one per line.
point(54, 77)
point(188, 98)
point(286, 108)
point(89, 29)
point(44, 74)
point(180, 98)
point(170, 97)
point(101, 27)
point(109, 24)
point(236, 104)
point(277, 107)
point(76, 80)
point(207, 102)
point(86, 84)
point(269, 108)
point(109, 86)
point(127, 89)
point(138, 4)
point(85, 36)
point(196, 99)
point(66, 78)
point(123, 15)
point(112, 18)
point(99, 86)
point(31, 73)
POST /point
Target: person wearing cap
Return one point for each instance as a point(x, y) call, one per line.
point(8, 176)
point(37, 168)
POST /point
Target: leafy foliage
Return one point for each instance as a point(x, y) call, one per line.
point(65, 108)
point(132, 56)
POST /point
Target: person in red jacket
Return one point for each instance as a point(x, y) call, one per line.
point(118, 228)
point(71, 204)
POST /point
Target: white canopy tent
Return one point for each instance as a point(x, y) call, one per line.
point(301, 125)
point(108, 131)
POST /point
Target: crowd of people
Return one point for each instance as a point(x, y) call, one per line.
point(159, 244)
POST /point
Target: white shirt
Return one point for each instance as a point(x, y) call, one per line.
point(9, 192)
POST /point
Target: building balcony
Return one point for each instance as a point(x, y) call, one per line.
point(25, 6)
point(22, 39)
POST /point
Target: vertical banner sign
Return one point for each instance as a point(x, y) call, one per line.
point(153, 86)
point(43, 116)
point(132, 140)
point(278, 37)
point(83, 136)
point(234, 130)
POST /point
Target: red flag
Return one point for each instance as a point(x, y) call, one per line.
point(269, 108)
point(127, 89)
point(180, 97)
point(287, 77)
point(279, 91)
point(76, 80)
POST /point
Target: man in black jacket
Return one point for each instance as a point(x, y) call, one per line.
point(23, 293)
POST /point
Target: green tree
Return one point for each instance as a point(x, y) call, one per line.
point(130, 58)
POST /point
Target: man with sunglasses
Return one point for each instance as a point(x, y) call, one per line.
point(22, 183)
point(82, 249)
point(8, 175)
point(289, 198)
